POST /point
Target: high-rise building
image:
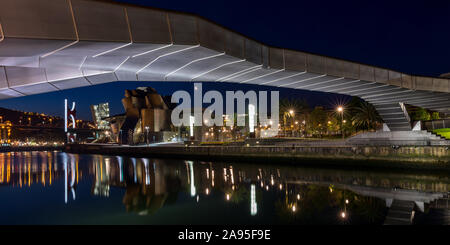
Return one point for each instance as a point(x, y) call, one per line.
point(99, 112)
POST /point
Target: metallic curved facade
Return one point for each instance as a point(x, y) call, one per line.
point(51, 45)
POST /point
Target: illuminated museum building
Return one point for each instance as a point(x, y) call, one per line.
point(147, 118)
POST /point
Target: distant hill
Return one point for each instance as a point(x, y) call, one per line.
point(25, 118)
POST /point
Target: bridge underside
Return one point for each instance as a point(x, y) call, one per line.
point(57, 44)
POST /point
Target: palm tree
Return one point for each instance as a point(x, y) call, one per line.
point(298, 105)
point(366, 116)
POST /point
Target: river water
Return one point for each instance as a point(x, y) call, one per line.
point(59, 188)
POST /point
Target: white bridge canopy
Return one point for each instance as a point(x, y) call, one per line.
point(51, 45)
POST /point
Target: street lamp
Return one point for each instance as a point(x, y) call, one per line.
point(340, 109)
point(291, 112)
point(146, 129)
point(288, 113)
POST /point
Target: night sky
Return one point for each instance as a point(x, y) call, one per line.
point(408, 36)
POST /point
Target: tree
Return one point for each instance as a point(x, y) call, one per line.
point(298, 105)
point(366, 116)
point(299, 109)
point(317, 121)
point(435, 115)
point(421, 115)
point(333, 124)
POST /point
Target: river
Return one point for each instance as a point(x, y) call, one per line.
point(52, 187)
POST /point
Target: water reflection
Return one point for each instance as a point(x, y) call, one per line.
point(236, 193)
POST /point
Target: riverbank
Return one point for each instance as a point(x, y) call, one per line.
point(30, 148)
point(406, 157)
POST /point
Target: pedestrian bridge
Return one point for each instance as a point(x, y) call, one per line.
point(51, 45)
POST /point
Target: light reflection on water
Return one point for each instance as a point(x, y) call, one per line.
point(60, 188)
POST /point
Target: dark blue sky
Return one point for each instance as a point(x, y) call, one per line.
point(407, 36)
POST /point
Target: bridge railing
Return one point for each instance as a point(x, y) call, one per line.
point(436, 124)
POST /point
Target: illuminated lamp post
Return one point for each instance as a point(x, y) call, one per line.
point(291, 113)
point(340, 109)
point(146, 129)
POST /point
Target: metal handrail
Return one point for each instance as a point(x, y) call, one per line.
point(436, 124)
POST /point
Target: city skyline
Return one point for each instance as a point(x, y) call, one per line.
point(112, 93)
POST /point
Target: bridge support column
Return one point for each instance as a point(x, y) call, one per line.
point(389, 202)
point(420, 206)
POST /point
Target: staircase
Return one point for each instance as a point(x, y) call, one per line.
point(438, 137)
point(400, 213)
point(438, 214)
point(438, 217)
point(400, 138)
point(394, 115)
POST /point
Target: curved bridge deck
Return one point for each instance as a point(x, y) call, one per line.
point(50, 45)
